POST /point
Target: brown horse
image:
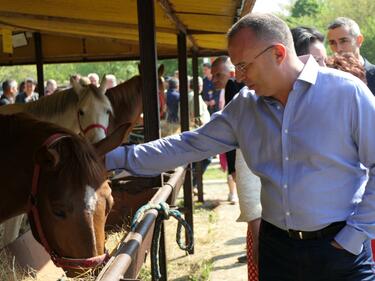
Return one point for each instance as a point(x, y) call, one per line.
point(56, 177)
point(126, 100)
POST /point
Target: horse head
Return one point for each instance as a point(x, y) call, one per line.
point(73, 200)
point(93, 110)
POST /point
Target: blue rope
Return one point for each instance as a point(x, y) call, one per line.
point(164, 212)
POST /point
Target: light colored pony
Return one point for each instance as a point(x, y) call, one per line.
point(84, 109)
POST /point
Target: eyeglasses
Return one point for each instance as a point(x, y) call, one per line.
point(242, 67)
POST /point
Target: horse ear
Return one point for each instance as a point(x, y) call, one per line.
point(76, 86)
point(103, 85)
point(161, 70)
point(47, 157)
point(113, 140)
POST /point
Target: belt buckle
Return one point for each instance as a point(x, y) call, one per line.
point(300, 235)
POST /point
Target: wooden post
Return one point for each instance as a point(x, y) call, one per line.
point(148, 58)
point(151, 117)
point(184, 114)
point(39, 62)
point(198, 165)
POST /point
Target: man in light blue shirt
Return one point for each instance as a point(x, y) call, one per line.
point(307, 132)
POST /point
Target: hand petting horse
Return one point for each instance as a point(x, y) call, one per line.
point(55, 176)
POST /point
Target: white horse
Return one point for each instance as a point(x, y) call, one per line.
point(84, 109)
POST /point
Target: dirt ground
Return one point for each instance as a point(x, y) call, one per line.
point(219, 241)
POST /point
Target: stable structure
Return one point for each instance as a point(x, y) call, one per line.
point(84, 30)
point(56, 31)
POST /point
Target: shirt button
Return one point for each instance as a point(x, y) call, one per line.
point(285, 186)
point(286, 131)
point(286, 158)
point(287, 213)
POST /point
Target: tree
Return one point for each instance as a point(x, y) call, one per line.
point(305, 8)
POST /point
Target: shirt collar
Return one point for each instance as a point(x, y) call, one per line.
point(310, 71)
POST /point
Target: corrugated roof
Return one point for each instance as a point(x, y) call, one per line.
point(101, 29)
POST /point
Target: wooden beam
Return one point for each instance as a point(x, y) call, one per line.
point(39, 63)
point(180, 26)
point(148, 57)
point(79, 21)
point(247, 7)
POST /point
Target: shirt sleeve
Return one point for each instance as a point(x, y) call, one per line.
point(361, 223)
point(248, 188)
point(161, 155)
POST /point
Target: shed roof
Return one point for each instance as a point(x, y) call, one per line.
point(84, 30)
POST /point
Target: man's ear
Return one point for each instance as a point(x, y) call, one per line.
point(47, 158)
point(279, 52)
point(359, 40)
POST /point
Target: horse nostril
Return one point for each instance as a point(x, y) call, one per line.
point(81, 112)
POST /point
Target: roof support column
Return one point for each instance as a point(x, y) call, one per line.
point(198, 165)
point(184, 115)
point(39, 62)
point(148, 68)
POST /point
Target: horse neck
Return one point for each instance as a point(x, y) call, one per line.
point(65, 117)
point(16, 183)
point(126, 101)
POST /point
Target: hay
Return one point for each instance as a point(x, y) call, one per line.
point(11, 271)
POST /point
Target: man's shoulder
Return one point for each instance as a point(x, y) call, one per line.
point(4, 100)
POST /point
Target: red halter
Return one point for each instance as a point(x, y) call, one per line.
point(92, 126)
point(33, 215)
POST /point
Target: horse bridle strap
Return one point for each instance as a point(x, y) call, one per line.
point(92, 126)
point(33, 214)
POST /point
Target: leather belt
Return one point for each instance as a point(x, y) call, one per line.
point(329, 230)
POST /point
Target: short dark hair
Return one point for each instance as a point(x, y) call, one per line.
point(172, 83)
point(267, 27)
point(207, 64)
point(303, 37)
point(346, 22)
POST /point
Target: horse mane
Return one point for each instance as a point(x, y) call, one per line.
point(124, 97)
point(59, 102)
point(52, 105)
point(78, 160)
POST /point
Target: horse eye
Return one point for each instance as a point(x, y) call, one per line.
point(108, 112)
point(59, 213)
point(81, 112)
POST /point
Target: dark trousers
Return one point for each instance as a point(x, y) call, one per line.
point(286, 259)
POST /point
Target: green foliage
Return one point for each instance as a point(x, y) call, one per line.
point(306, 8)
point(305, 12)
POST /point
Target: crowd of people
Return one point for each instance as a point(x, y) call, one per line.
point(289, 122)
point(26, 91)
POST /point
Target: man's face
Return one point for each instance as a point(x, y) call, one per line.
point(29, 87)
point(253, 61)
point(13, 89)
point(341, 41)
point(206, 71)
point(220, 76)
point(318, 51)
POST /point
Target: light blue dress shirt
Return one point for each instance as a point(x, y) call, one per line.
point(308, 154)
